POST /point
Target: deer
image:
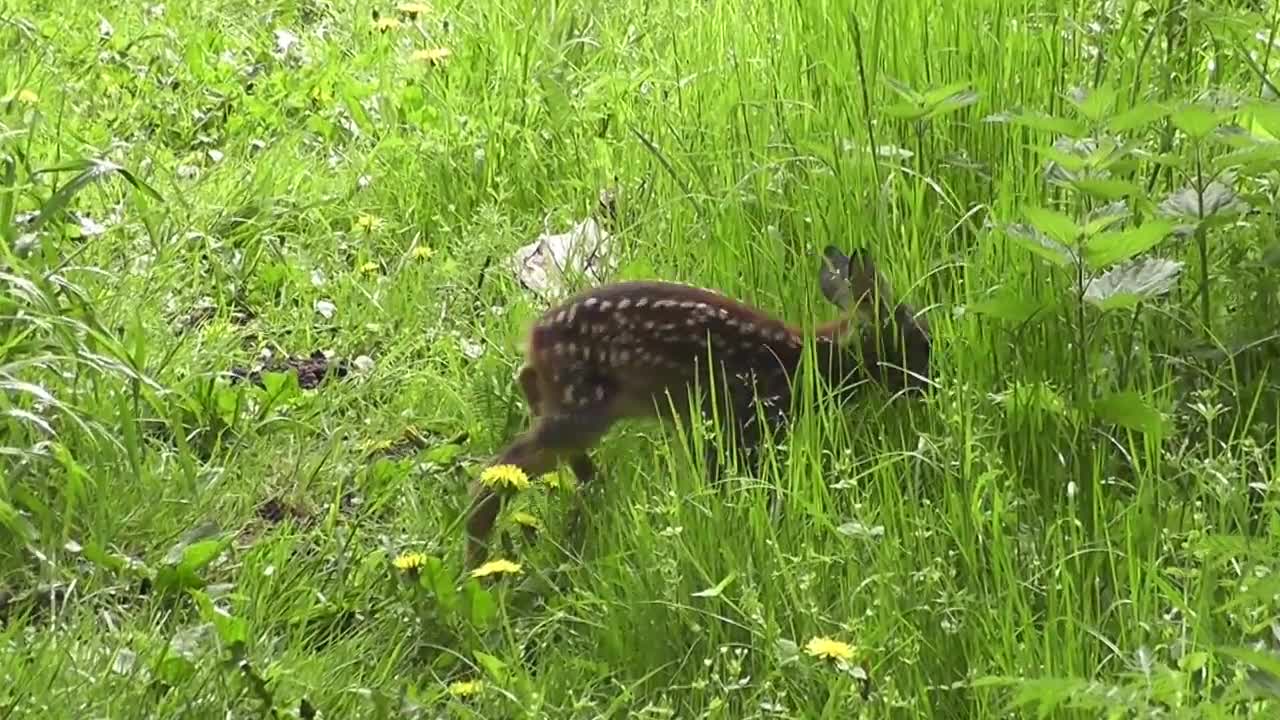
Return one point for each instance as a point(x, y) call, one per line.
point(629, 350)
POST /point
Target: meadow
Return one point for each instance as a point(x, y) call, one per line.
point(260, 329)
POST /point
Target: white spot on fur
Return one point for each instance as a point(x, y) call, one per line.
point(624, 303)
point(590, 302)
point(665, 304)
point(642, 302)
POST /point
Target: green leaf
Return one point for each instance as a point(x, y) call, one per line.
point(951, 99)
point(1106, 188)
point(1054, 224)
point(1130, 410)
point(1009, 306)
point(1138, 116)
point(904, 90)
point(1216, 199)
point(1197, 121)
point(1071, 162)
point(435, 579)
point(232, 631)
point(1124, 286)
point(480, 603)
point(91, 171)
point(493, 667)
point(1257, 159)
point(1113, 247)
point(1262, 119)
point(1093, 104)
point(719, 587)
point(16, 523)
point(1050, 123)
point(185, 560)
point(905, 111)
point(1040, 244)
point(281, 386)
point(1104, 217)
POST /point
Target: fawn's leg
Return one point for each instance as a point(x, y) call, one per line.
point(554, 438)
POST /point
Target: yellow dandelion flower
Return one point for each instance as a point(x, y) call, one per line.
point(509, 475)
point(409, 562)
point(497, 567)
point(27, 96)
point(369, 267)
point(525, 519)
point(827, 649)
point(414, 9)
point(368, 223)
point(387, 23)
point(422, 252)
point(433, 56)
point(466, 688)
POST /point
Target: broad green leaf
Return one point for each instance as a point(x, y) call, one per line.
point(946, 93)
point(1054, 224)
point(1009, 306)
point(1197, 121)
point(1104, 217)
point(1112, 247)
point(1267, 663)
point(1051, 123)
point(435, 579)
point(231, 630)
point(905, 111)
point(1040, 244)
point(1138, 116)
point(495, 668)
point(1094, 103)
point(1262, 119)
point(1106, 188)
point(952, 102)
point(1215, 199)
point(1254, 160)
point(1130, 410)
point(904, 90)
point(1069, 161)
point(1124, 286)
point(483, 608)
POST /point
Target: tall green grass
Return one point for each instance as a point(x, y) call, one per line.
point(996, 550)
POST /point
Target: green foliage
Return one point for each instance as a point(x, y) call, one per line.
point(200, 516)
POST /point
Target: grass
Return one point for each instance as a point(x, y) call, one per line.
point(1081, 519)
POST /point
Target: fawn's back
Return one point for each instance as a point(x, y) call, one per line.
point(631, 343)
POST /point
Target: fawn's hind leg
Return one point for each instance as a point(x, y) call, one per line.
point(554, 438)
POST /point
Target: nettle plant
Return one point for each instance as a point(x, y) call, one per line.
point(1102, 233)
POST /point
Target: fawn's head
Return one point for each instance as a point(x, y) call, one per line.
point(878, 336)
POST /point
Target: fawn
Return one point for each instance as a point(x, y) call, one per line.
point(626, 350)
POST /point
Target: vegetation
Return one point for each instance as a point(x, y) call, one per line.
point(260, 327)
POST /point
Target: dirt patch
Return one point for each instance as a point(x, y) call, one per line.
point(311, 370)
point(276, 510)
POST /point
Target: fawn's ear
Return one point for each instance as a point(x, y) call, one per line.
point(852, 282)
point(833, 278)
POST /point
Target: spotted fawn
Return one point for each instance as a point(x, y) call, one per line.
point(634, 349)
